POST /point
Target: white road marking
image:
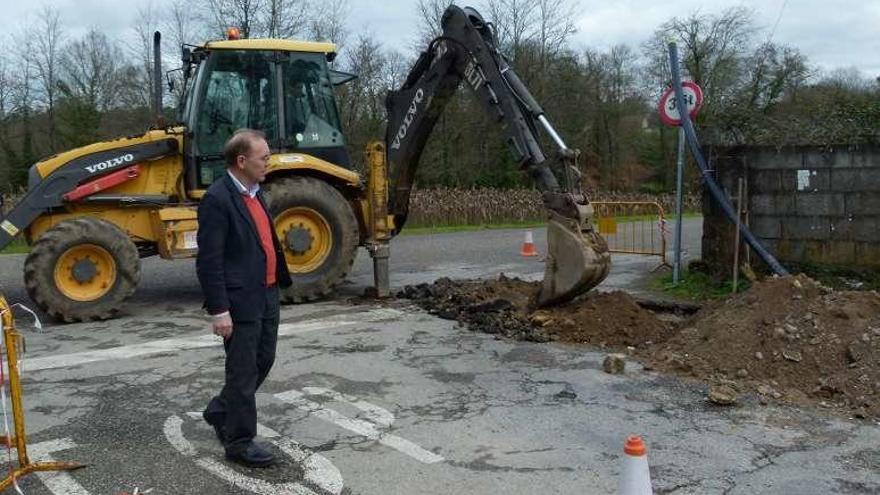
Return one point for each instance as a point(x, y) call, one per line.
point(359, 426)
point(58, 482)
point(317, 469)
point(252, 485)
point(373, 413)
point(175, 345)
point(173, 430)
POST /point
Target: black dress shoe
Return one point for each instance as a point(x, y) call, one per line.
point(219, 429)
point(251, 456)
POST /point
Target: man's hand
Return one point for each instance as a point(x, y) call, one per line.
point(223, 325)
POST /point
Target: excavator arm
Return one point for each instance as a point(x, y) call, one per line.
point(467, 51)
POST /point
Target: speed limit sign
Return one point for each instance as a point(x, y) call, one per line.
point(693, 98)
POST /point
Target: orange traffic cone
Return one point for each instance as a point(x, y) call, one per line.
point(635, 477)
point(528, 247)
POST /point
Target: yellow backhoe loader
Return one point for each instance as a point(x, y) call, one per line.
point(91, 213)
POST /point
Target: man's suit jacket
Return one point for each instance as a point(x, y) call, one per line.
point(231, 263)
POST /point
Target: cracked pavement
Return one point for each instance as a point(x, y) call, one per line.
point(398, 401)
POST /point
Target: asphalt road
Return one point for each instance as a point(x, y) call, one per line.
point(385, 399)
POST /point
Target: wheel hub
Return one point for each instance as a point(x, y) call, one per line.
point(307, 238)
point(84, 270)
point(299, 239)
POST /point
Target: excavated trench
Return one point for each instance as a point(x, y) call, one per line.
point(786, 339)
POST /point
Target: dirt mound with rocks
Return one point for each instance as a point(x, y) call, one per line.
point(785, 338)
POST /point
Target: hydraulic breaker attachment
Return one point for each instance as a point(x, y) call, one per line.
point(380, 224)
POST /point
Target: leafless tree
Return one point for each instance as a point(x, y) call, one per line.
point(277, 18)
point(395, 69)
point(24, 106)
point(182, 25)
point(430, 13)
point(328, 22)
point(612, 99)
point(712, 48)
point(515, 22)
point(89, 70)
point(7, 94)
point(619, 65)
point(846, 78)
point(243, 14)
point(364, 96)
point(555, 26)
point(287, 18)
point(137, 90)
point(46, 38)
point(7, 85)
point(362, 101)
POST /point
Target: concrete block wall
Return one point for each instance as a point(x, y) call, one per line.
point(807, 204)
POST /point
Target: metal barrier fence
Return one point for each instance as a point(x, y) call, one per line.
point(632, 227)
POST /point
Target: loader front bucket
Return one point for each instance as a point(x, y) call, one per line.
point(577, 260)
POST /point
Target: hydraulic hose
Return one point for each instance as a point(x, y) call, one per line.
point(713, 186)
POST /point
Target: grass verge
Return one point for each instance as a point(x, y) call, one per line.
point(526, 224)
point(18, 246)
point(443, 229)
point(697, 286)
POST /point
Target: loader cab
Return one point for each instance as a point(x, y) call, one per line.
point(281, 87)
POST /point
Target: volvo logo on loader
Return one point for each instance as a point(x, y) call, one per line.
point(408, 118)
point(111, 163)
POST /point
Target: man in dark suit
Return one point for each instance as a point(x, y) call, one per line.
point(240, 266)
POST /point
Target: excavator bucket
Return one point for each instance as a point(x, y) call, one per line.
point(577, 260)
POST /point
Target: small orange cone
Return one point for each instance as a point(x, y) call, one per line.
point(635, 477)
point(528, 247)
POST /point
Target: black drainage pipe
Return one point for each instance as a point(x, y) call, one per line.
point(714, 188)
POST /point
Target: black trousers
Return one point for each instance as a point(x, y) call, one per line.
point(250, 353)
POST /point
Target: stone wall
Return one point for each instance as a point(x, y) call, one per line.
point(807, 204)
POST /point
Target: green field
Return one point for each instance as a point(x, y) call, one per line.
point(18, 246)
point(527, 224)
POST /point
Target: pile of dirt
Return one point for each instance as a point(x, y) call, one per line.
point(785, 338)
point(604, 319)
point(506, 306)
point(492, 306)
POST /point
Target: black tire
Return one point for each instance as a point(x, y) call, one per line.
point(288, 193)
point(81, 233)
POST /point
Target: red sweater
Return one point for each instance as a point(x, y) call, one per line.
point(261, 219)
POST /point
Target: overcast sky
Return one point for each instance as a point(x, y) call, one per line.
point(832, 34)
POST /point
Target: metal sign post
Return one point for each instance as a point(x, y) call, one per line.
point(679, 193)
point(670, 115)
point(711, 185)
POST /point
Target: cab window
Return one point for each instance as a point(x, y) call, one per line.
point(239, 91)
point(310, 116)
